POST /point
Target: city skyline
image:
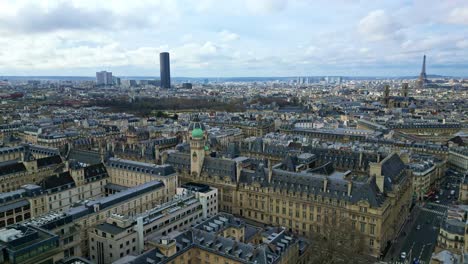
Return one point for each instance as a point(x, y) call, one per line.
point(235, 132)
point(242, 38)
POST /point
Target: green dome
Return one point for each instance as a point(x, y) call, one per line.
point(197, 133)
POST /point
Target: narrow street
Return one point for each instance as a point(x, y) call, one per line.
point(419, 235)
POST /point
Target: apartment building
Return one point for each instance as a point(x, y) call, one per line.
point(123, 235)
point(72, 226)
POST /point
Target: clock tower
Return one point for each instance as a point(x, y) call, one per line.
point(197, 147)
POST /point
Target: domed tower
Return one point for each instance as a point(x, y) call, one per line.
point(197, 138)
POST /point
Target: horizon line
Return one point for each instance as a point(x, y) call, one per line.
point(218, 77)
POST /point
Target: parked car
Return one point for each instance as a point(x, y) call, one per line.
point(403, 255)
point(418, 227)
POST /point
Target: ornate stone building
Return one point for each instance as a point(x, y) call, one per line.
point(301, 194)
point(402, 101)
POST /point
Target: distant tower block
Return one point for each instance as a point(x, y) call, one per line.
point(165, 70)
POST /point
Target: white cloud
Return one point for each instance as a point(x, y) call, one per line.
point(462, 44)
point(265, 6)
point(378, 26)
point(227, 36)
point(363, 50)
point(312, 50)
point(53, 36)
point(34, 18)
point(458, 15)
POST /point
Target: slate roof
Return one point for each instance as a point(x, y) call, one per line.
point(219, 167)
point(96, 170)
point(312, 183)
point(57, 180)
point(84, 156)
point(454, 226)
point(11, 168)
point(393, 170)
point(424, 125)
point(43, 150)
point(233, 150)
point(348, 160)
point(111, 229)
point(83, 141)
point(220, 222)
point(212, 166)
point(115, 187)
point(257, 145)
point(5, 150)
point(180, 161)
point(48, 161)
point(225, 247)
point(149, 168)
point(119, 197)
point(183, 147)
point(290, 162)
point(336, 188)
point(457, 140)
point(12, 195)
point(325, 169)
point(13, 205)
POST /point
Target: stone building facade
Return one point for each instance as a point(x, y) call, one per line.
point(303, 198)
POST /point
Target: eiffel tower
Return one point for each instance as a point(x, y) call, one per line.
point(422, 81)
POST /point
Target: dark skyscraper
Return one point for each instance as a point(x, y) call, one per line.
point(165, 70)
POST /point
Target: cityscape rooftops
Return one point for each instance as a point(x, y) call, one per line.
point(158, 170)
point(21, 242)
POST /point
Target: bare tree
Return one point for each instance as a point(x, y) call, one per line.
point(336, 242)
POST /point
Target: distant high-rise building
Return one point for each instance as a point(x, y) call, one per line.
point(165, 70)
point(133, 83)
point(116, 80)
point(422, 81)
point(104, 78)
point(186, 86)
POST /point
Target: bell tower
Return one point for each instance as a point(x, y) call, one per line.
point(404, 90)
point(386, 95)
point(197, 139)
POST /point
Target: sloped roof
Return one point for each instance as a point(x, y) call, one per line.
point(48, 161)
point(392, 170)
point(10, 168)
point(95, 171)
point(85, 156)
point(57, 180)
point(179, 160)
point(220, 167)
point(150, 168)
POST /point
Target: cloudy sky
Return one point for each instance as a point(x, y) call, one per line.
point(218, 38)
